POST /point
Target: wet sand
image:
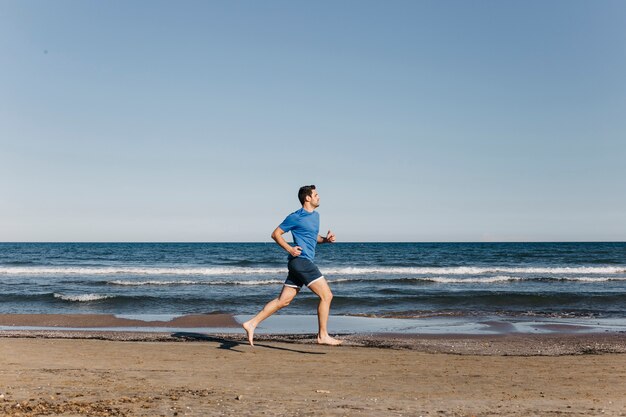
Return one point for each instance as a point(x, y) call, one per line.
point(152, 374)
point(111, 321)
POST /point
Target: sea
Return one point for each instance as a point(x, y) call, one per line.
point(378, 280)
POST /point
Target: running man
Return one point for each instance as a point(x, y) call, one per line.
point(304, 226)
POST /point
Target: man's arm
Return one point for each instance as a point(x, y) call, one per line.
point(330, 238)
point(277, 235)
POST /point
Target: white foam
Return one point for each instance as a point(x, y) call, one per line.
point(187, 282)
point(472, 270)
point(593, 279)
point(138, 271)
point(222, 271)
point(264, 282)
point(141, 283)
point(483, 280)
point(82, 297)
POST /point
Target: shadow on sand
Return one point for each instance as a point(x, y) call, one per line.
point(230, 344)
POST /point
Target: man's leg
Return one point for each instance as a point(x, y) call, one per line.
point(283, 300)
point(321, 288)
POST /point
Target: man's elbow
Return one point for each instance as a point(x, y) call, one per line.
point(276, 233)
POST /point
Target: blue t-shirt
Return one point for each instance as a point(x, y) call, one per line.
point(304, 228)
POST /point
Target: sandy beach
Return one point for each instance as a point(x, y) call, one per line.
point(161, 374)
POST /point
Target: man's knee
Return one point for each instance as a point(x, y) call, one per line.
point(284, 302)
point(326, 296)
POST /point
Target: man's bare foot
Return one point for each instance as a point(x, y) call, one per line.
point(249, 328)
point(327, 340)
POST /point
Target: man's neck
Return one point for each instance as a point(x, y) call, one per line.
point(308, 207)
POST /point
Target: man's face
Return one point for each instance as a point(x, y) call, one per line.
point(315, 199)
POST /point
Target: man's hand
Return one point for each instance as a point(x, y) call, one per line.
point(330, 237)
point(295, 251)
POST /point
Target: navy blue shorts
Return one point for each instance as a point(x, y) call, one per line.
point(302, 271)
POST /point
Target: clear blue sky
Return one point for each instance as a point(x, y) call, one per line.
point(417, 120)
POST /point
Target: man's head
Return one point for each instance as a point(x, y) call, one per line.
point(307, 193)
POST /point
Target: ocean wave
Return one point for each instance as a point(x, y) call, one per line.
point(212, 271)
point(187, 282)
point(472, 280)
point(589, 279)
point(403, 280)
point(476, 280)
point(415, 314)
point(82, 297)
point(17, 263)
point(506, 278)
point(225, 271)
point(474, 270)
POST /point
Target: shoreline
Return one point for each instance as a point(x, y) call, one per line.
point(113, 321)
point(465, 337)
point(307, 324)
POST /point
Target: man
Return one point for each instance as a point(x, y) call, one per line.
point(304, 226)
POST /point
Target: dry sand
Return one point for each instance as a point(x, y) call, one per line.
point(56, 373)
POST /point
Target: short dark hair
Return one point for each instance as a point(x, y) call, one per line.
point(304, 191)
